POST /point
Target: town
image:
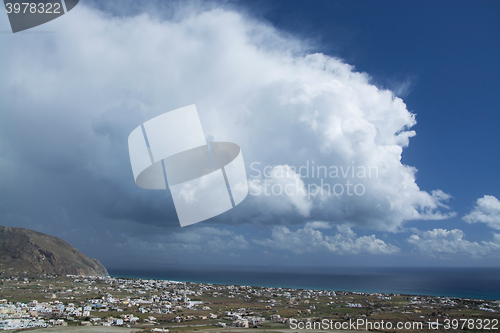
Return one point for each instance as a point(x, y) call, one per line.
point(159, 305)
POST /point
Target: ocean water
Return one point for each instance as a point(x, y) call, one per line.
point(476, 283)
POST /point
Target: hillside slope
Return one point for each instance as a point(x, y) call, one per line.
point(24, 250)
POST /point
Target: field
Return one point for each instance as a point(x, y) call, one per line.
point(195, 307)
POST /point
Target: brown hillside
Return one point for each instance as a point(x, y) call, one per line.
point(24, 250)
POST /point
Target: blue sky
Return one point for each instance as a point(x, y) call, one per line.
point(335, 82)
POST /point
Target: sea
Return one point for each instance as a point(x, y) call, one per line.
point(474, 283)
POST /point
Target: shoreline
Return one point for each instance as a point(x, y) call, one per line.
point(278, 279)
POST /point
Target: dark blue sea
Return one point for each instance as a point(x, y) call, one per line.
point(475, 283)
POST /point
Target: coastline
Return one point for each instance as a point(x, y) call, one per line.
point(472, 283)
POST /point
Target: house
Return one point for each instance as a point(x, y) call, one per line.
point(243, 323)
point(10, 324)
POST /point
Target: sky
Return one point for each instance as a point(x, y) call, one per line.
point(397, 100)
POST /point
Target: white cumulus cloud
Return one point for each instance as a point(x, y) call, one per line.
point(74, 96)
point(310, 239)
point(439, 242)
point(487, 210)
point(282, 190)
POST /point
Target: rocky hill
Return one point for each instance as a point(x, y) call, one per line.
point(24, 250)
